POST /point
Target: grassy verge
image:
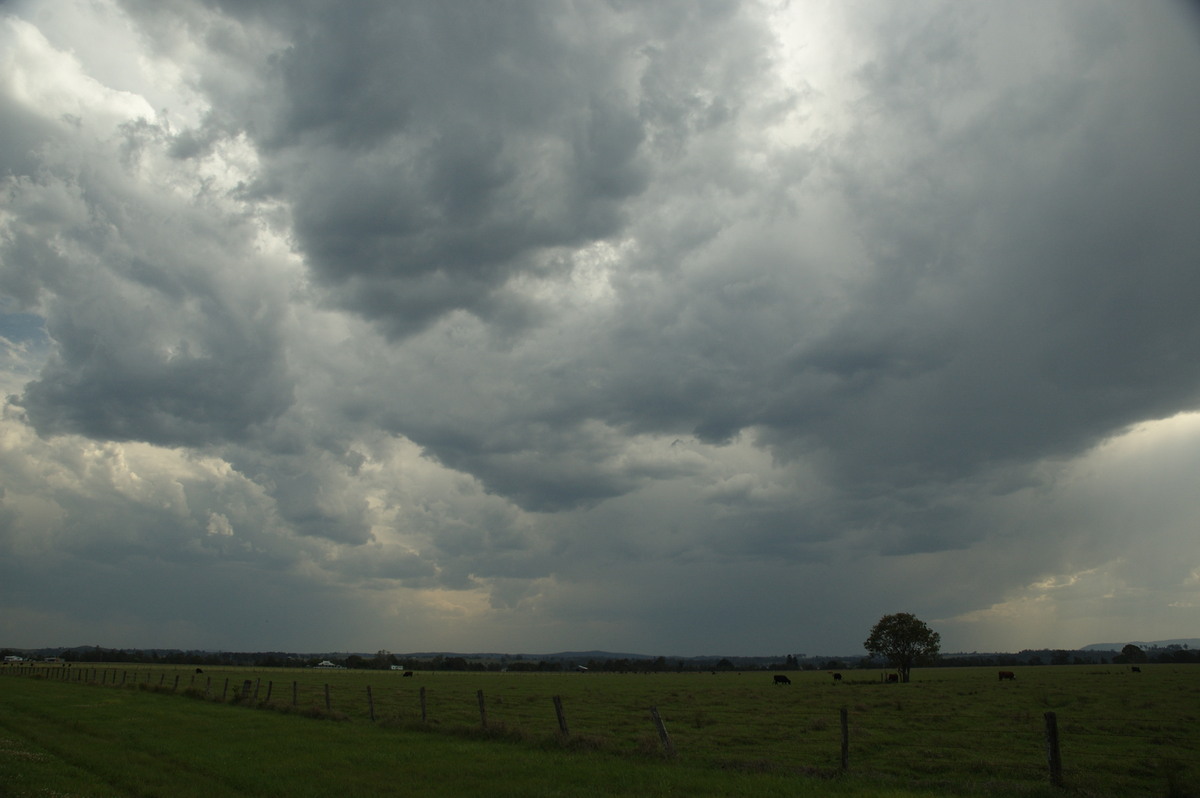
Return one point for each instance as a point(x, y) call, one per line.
point(59, 739)
point(950, 732)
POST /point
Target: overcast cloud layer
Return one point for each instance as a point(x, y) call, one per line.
point(674, 327)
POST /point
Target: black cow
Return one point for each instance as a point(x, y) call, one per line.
point(781, 679)
point(407, 674)
point(1007, 676)
point(199, 670)
point(837, 677)
point(1134, 669)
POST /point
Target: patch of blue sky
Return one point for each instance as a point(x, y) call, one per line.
point(23, 328)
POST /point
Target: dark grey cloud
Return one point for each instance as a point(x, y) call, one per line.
point(522, 319)
point(309, 491)
point(150, 345)
point(1046, 306)
point(432, 156)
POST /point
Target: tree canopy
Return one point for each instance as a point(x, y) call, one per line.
point(903, 639)
point(1131, 653)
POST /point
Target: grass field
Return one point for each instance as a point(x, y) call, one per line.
point(950, 731)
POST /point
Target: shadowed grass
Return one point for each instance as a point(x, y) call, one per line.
point(64, 739)
point(951, 731)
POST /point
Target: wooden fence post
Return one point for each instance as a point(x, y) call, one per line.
point(327, 706)
point(422, 703)
point(246, 685)
point(1053, 755)
point(662, 732)
point(225, 689)
point(270, 687)
point(562, 718)
point(845, 739)
point(482, 709)
point(176, 685)
point(371, 703)
point(294, 688)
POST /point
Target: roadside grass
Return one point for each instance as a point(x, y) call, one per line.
point(951, 731)
point(62, 739)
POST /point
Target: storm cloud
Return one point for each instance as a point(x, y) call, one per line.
point(536, 326)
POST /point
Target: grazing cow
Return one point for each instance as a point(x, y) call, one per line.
point(1134, 669)
point(781, 679)
point(199, 670)
point(837, 677)
point(893, 677)
point(407, 674)
point(1007, 675)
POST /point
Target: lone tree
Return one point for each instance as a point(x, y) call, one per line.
point(1131, 653)
point(903, 639)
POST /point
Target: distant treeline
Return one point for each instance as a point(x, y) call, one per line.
point(165, 656)
point(384, 660)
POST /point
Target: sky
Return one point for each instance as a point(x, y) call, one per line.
point(674, 328)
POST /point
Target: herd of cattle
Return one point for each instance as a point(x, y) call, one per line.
point(837, 677)
point(1005, 676)
point(890, 677)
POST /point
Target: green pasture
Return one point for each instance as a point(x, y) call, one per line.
point(950, 731)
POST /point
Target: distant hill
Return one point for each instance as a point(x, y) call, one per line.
point(1096, 652)
point(562, 655)
point(1190, 642)
point(582, 655)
